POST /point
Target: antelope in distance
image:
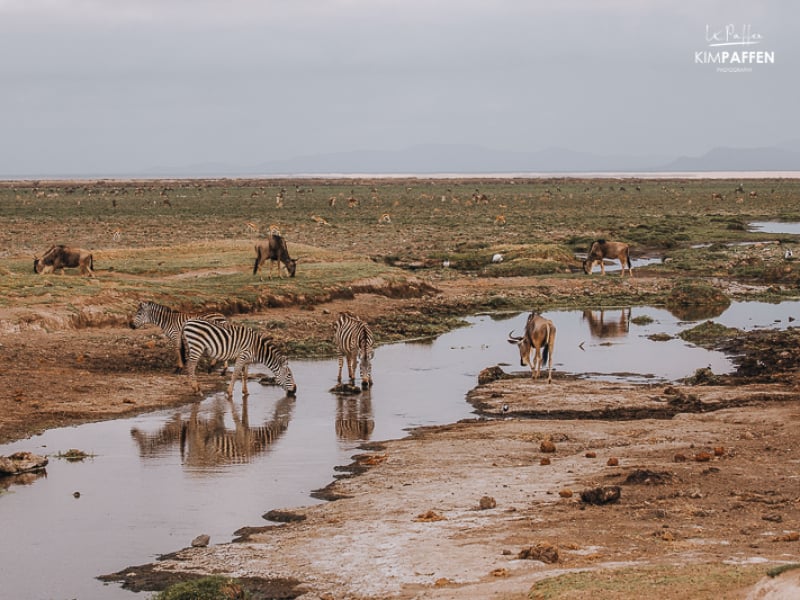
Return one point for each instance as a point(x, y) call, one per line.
point(274, 248)
point(58, 257)
point(601, 250)
point(536, 345)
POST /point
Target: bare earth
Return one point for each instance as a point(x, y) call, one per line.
point(708, 475)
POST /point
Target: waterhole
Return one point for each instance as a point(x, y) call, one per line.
point(156, 481)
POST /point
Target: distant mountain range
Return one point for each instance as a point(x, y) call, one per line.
point(467, 159)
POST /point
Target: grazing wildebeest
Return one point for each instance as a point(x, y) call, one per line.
point(60, 257)
point(601, 250)
point(274, 248)
point(536, 345)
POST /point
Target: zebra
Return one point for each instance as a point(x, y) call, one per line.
point(233, 342)
point(353, 339)
point(171, 323)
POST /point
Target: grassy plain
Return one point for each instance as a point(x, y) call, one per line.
point(190, 242)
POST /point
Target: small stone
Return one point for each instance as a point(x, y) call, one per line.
point(487, 502)
point(547, 445)
point(201, 541)
point(565, 493)
point(591, 454)
point(543, 551)
point(601, 495)
point(613, 462)
point(544, 461)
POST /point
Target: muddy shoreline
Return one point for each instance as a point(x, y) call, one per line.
point(408, 512)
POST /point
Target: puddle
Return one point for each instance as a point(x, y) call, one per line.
point(613, 265)
point(157, 481)
point(775, 227)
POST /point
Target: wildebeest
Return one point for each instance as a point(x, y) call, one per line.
point(274, 248)
point(601, 250)
point(536, 345)
point(61, 257)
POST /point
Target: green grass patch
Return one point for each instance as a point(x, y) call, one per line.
point(708, 333)
point(688, 582)
point(206, 588)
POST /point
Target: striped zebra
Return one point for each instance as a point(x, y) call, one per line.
point(171, 323)
point(233, 342)
point(353, 340)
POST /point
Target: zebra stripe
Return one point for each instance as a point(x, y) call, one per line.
point(233, 342)
point(353, 340)
point(171, 322)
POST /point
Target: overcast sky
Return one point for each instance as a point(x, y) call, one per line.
point(121, 86)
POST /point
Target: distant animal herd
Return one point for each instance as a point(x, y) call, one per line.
point(195, 335)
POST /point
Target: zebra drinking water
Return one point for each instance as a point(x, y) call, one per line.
point(171, 323)
point(233, 342)
point(353, 340)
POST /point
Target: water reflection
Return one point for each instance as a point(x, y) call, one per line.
point(697, 312)
point(612, 326)
point(6, 481)
point(354, 418)
point(208, 441)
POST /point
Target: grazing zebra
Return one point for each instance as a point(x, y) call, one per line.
point(171, 323)
point(353, 340)
point(233, 342)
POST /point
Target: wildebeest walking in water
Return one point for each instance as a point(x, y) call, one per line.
point(274, 248)
point(601, 250)
point(59, 257)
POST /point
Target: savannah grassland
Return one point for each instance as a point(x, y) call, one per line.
point(149, 237)
point(373, 246)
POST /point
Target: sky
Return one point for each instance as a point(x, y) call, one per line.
point(93, 87)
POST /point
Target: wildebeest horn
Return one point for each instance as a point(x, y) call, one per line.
point(512, 339)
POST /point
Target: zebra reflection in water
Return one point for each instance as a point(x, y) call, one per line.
point(207, 442)
point(354, 418)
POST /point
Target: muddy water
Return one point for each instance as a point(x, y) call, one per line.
point(158, 480)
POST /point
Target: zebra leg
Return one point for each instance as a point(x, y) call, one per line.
point(341, 362)
point(237, 372)
point(245, 393)
point(191, 366)
point(351, 367)
point(181, 364)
